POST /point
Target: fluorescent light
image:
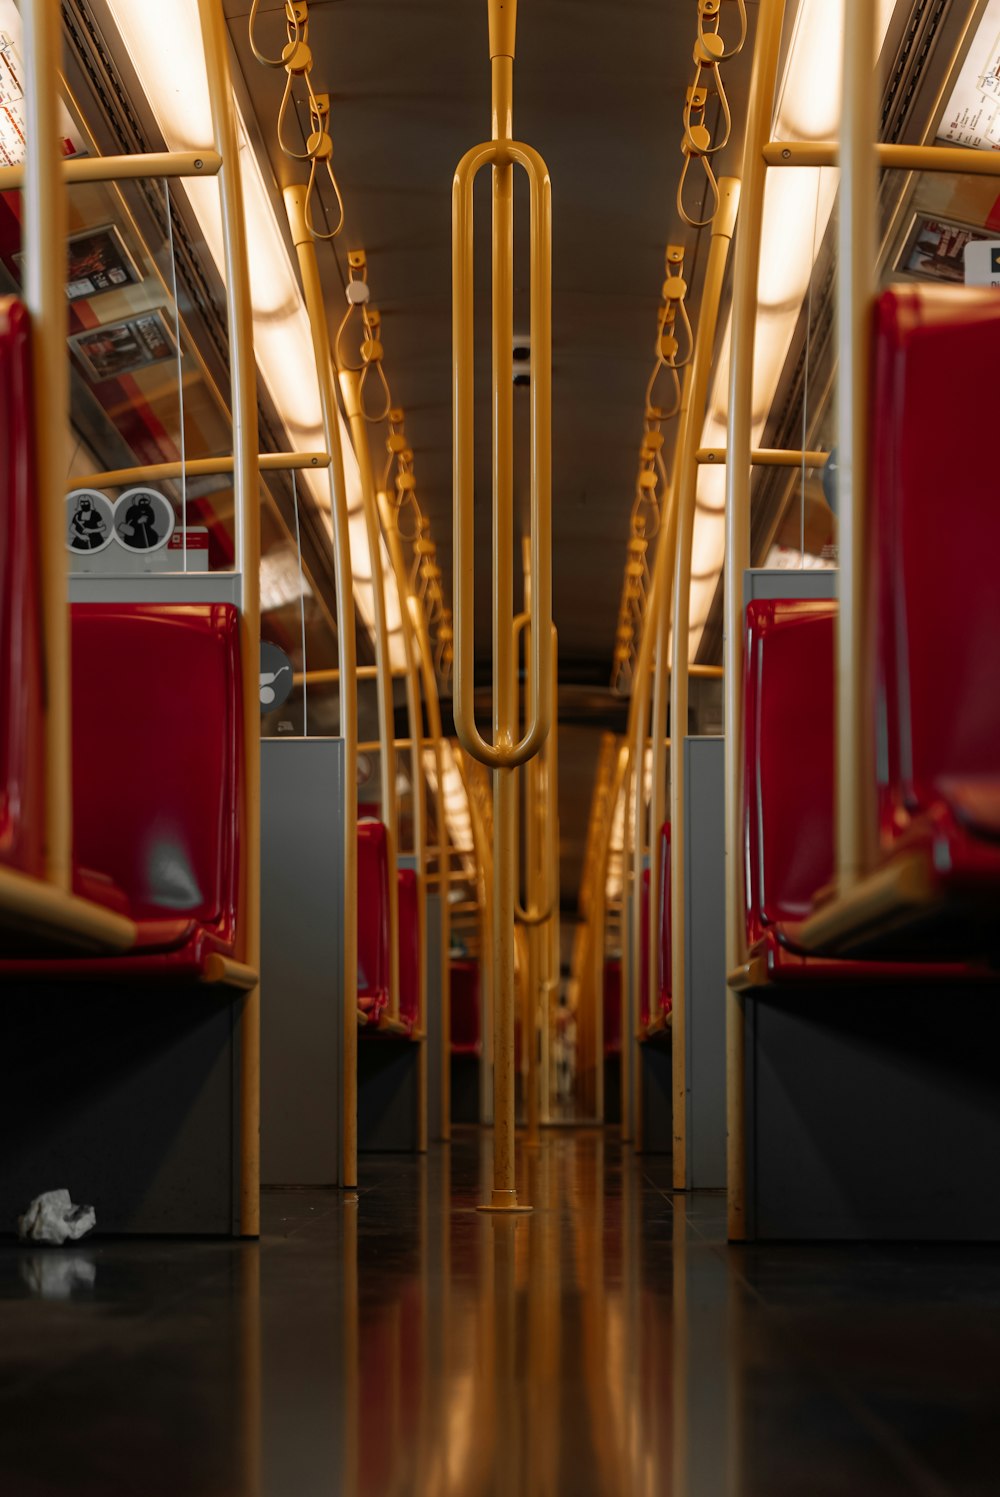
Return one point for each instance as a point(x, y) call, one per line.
point(168, 58)
point(798, 202)
point(281, 580)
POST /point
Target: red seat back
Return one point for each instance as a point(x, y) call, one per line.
point(409, 946)
point(936, 532)
point(465, 1030)
point(373, 911)
point(22, 814)
point(788, 769)
point(644, 952)
point(666, 945)
point(612, 1005)
point(157, 756)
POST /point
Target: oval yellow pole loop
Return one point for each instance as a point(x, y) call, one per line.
point(350, 387)
point(723, 228)
point(505, 752)
point(766, 52)
point(347, 658)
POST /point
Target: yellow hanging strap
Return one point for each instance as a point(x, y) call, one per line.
point(697, 141)
point(672, 351)
point(297, 60)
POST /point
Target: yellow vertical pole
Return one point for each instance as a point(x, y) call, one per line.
point(246, 486)
point(350, 387)
point(505, 753)
point(767, 46)
point(415, 719)
point(665, 558)
point(45, 298)
point(632, 855)
point(434, 727)
point(554, 940)
point(857, 280)
point(541, 871)
point(305, 246)
point(722, 230)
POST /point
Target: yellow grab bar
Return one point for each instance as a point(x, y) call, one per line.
point(504, 753)
point(312, 287)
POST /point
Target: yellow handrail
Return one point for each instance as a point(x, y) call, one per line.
point(144, 165)
point(504, 753)
point(856, 288)
point(198, 467)
point(351, 392)
point(246, 488)
point(414, 713)
point(432, 702)
point(45, 218)
point(723, 228)
point(541, 865)
point(767, 46)
point(952, 160)
point(347, 654)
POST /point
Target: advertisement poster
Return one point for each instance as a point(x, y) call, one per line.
point(935, 249)
point(97, 261)
point(972, 116)
point(12, 111)
point(117, 348)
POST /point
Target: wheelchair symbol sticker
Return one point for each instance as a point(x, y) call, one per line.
point(276, 677)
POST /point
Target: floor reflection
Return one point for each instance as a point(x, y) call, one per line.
point(401, 1342)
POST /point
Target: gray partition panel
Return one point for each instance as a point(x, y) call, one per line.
point(126, 1095)
point(873, 1112)
point(158, 587)
point(302, 800)
point(782, 582)
point(705, 967)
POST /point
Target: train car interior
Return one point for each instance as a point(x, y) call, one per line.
point(499, 748)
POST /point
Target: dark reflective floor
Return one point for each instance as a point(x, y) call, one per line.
point(403, 1343)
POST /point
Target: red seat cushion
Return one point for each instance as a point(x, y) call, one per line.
point(409, 947)
point(465, 1030)
point(666, 945)
point(936, 534)
point(157, 767)
point(22, 817)
point(612, 1006)
point(788, 772)
point(373, 918)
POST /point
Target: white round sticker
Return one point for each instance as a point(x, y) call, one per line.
point(144, 520)
point(89, 521)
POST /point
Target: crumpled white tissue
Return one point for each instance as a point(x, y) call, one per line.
point(52, 1217)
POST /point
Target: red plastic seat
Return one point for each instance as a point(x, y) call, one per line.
point(157, 783)
point(612, 1006)
point(644, 952)
point(373, 919)
point(465, 1021)
point(21, 721)
point(789, 791)
point(936, 533)
point(666, 945)
point(409, 947)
